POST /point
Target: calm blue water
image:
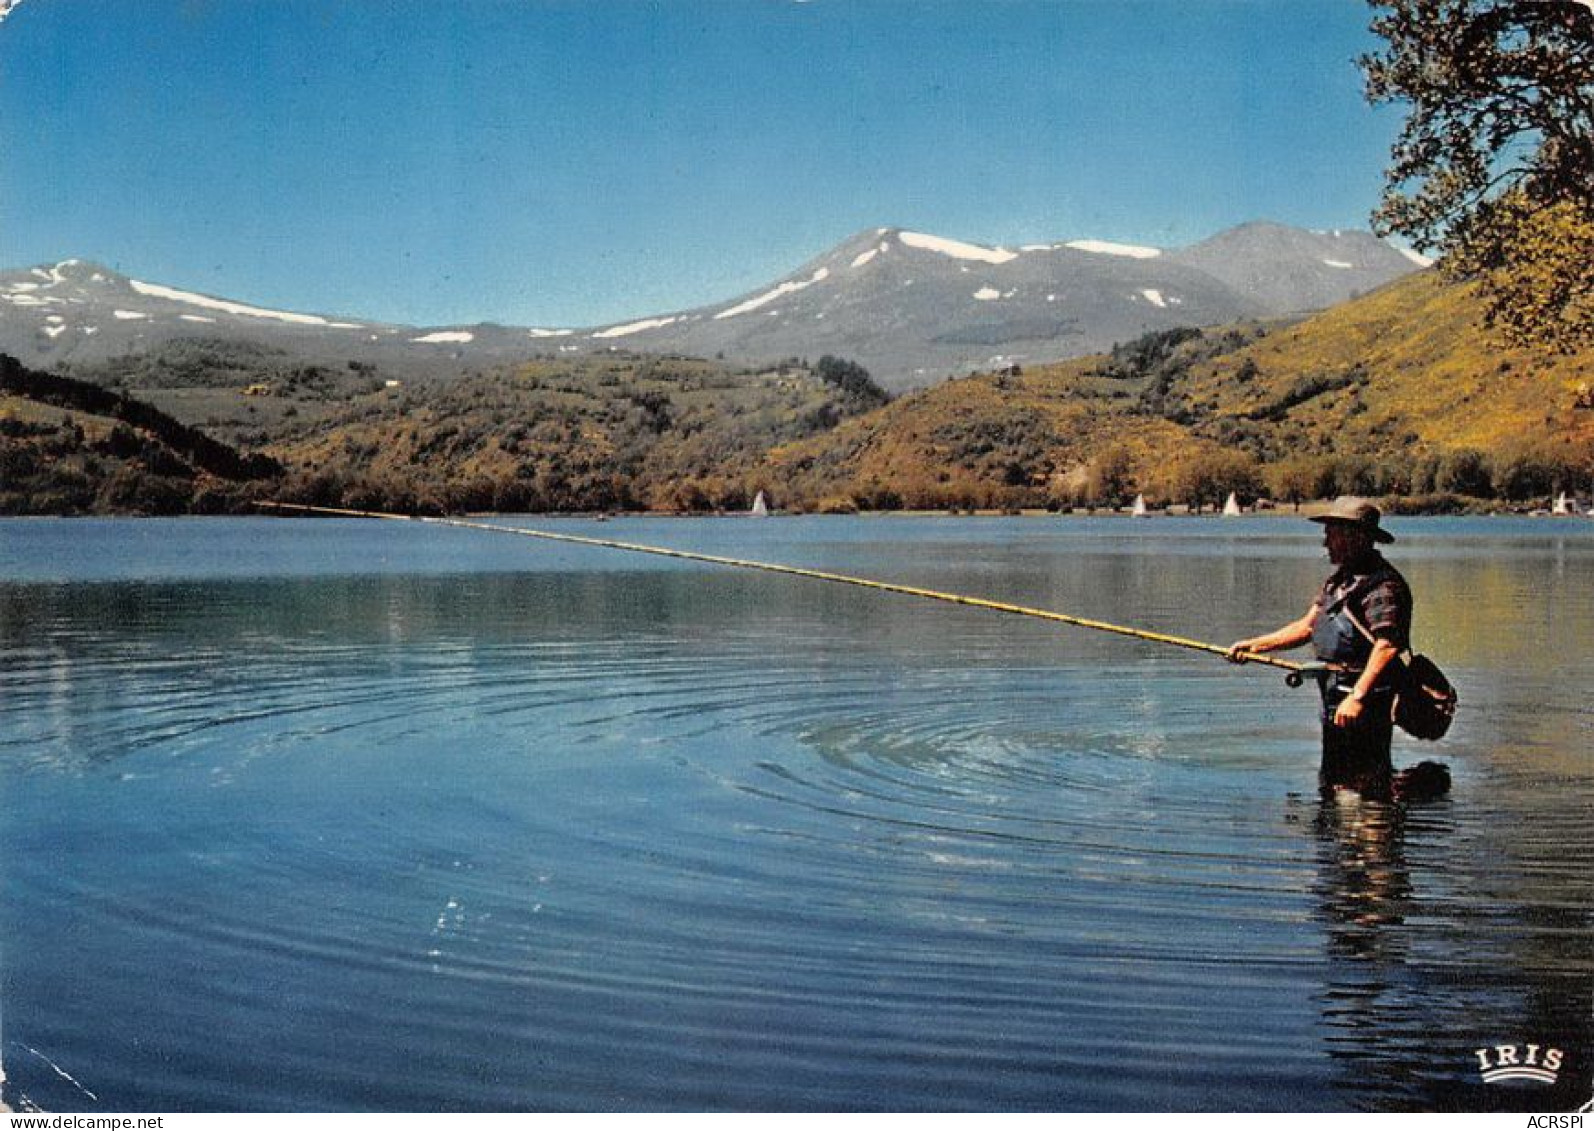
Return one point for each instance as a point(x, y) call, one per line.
point(351, 815)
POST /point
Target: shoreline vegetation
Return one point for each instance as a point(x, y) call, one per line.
point(1398, 396)
point(1396, 507)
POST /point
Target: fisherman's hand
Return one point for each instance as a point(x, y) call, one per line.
point(1235, 654)
point(1348, 711)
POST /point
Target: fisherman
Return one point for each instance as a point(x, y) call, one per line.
point(1360, 622)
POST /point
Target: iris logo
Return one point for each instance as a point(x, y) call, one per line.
point(1505, 1063)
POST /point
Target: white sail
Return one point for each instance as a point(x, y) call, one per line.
point(760, 506)
point(1232, 505)
point(1139, 509)
point(1562, 506)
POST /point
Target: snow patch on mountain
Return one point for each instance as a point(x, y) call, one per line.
point(58, 274)
point(1103, 247)
point(1340, 263)
point(171, 294)
point(540, 333)
point(866, 256)
point(636, 327)
point(768, 297)
point(957, 249)
point(1416, 257)
point(1154, 297)
point(128, 315)
point(446, 337)
point(987, 294)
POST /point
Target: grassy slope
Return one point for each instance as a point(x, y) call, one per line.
point(56, 461)
point(1405, 371)
point(1429, 369)
point(1401, 374)
point(989, 440)
point(625, 431)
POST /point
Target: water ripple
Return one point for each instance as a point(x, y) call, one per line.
point(657, 844)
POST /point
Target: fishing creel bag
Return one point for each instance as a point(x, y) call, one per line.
point(1425, 701)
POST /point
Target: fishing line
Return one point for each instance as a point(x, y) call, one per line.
point(1296, 672)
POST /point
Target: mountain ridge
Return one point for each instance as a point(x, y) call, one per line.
point(927, 307)
point(911, 307)
point(1400, 394)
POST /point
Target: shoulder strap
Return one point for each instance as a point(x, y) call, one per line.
point(1343, 603)
point(1404, 657)
point(1356, 590)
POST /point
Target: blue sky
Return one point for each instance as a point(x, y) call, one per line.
point(574, 162)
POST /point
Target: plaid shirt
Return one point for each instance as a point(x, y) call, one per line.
point(1383, 604)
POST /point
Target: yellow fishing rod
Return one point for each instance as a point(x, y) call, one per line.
point(1296, 672)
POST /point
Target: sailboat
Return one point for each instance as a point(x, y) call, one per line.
point(1232, 505)
point(760, 508)
point(1139, 508)
point(1563, 505)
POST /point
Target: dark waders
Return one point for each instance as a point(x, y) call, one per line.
point(1356, 756)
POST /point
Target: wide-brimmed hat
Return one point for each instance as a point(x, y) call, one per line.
point(1357, 512)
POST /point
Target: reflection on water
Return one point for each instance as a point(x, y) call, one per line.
point(341, 815)
point(1404, 1011)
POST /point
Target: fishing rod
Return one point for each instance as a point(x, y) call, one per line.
point(1296, 673)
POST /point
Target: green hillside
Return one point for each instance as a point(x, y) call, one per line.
point(1398, 393)
point(71, 447)
point(614, 431)
point(618, 432)
point(1406, 376)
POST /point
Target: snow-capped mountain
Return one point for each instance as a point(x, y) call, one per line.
point(910, 307)
point(1290, 271)
point(81, 312)
point(914, 308)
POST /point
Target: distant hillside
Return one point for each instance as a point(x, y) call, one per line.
point(618, 432)
point(1397, 393)
point(69, 447)
point(1405, 369)
point(622, 431)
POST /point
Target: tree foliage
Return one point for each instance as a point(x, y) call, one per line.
point(1536, 267)
point(1205, 477)
point(1494, 167)
point(200, 449)
point(853, 380)
point(1110, 477)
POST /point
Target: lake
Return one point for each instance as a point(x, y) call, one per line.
point(350, 815)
